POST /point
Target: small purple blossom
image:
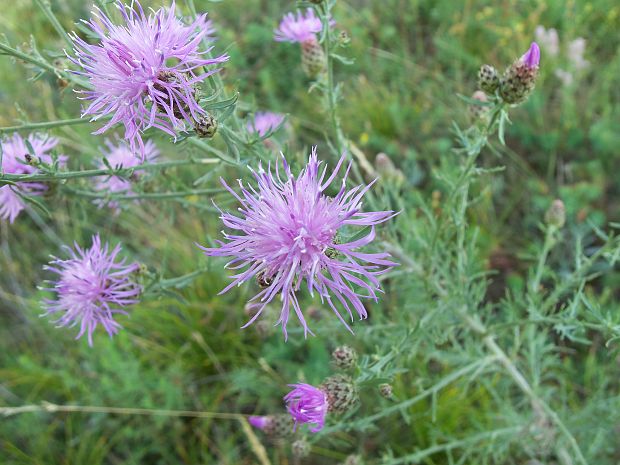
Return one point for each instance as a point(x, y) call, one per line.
point(260, 422)
point(14, 153)
point(264, 122)
point(121, 156)
point(288, 232)
point(145, 72)
point(92, 287)
point(531, 58)
point(307, 404)
point(298, 28)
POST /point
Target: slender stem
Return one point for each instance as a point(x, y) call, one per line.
point(140, 196)
point(102, 172)
point(44, 125)
point(538, 403)
point(47, 10)
point(54, 408)
point(542, 260)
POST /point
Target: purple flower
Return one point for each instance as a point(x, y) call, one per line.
point(531, 58)
point(307, 404)
point(300, 28)
point(14, 154)
point(264, 122)
point(121, 156)
point(145, 73)
point(92, 287)
point(260, 422)
point(288, 232)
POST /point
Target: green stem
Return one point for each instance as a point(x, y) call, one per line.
point(47, 11)
point(537, 403)
point(44, 125)
point(140, 196)
point(542, 260)
point(102, 172)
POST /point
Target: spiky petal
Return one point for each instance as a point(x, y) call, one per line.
point(307, 404)
point(144, 72)
point(91, 288)
point(14, 154)
point(287, 234)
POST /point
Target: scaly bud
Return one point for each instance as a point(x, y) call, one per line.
point(344, 357)
point(385, 390)
point(274, 426)
point(300, 448)
point(556, 214)
point(488, 79)
point(479, 112)
point(341, 393)
point(519, 79)
point(206, 126)
point(313, 59)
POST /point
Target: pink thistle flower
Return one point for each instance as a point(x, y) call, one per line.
point(145, 72)
point(531, 58)
point(14, 154)
point(92, 287)
point(307, 404)
point(288, 233)
point(264, 122)
point(260, 422)
point(298, 28)
point(121, 156)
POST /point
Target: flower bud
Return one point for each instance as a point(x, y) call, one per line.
point(300, 448)
point(556, 214)
point(387, 170)
point(274, 426)
point(386, 391)
point(313, 59)
point(488, 79)
point(353, 460)
point(519, 79)
point(341, 393)
point(344, 357)
point(206, 126)
point(479, 112)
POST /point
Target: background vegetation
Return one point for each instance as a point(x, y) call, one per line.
point(455, 400)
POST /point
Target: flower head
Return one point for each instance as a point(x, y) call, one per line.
point(145, 72)
point(92, 287)
point(14, 154)
point(120, 155)
point(307, 404)
point(288, 233)
point(531, 58)
point(298, 28)
point(264, 122)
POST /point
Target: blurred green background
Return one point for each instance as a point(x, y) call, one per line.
point(185, 351)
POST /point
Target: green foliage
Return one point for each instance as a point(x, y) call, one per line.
point(498, 332)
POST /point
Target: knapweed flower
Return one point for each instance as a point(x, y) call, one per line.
point(145, 73)
point(120, 155)
point(307, 404)
point(519, 79)
point(92, 287)
point(290, 231)
point(303, 28)
point(275, 426)
point(14, 161)
point(264, 122)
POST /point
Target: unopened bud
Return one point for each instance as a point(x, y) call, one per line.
point(488, 79)
point(519, 79)
point(206, 126)
point(344, 357)
point(275, 426)
point(344, 39)
point(341, 393)
point(300, 448)
point(386, 390)
point(353, 460)
point(313, 59)
point(479, 112)
point(556, 214)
